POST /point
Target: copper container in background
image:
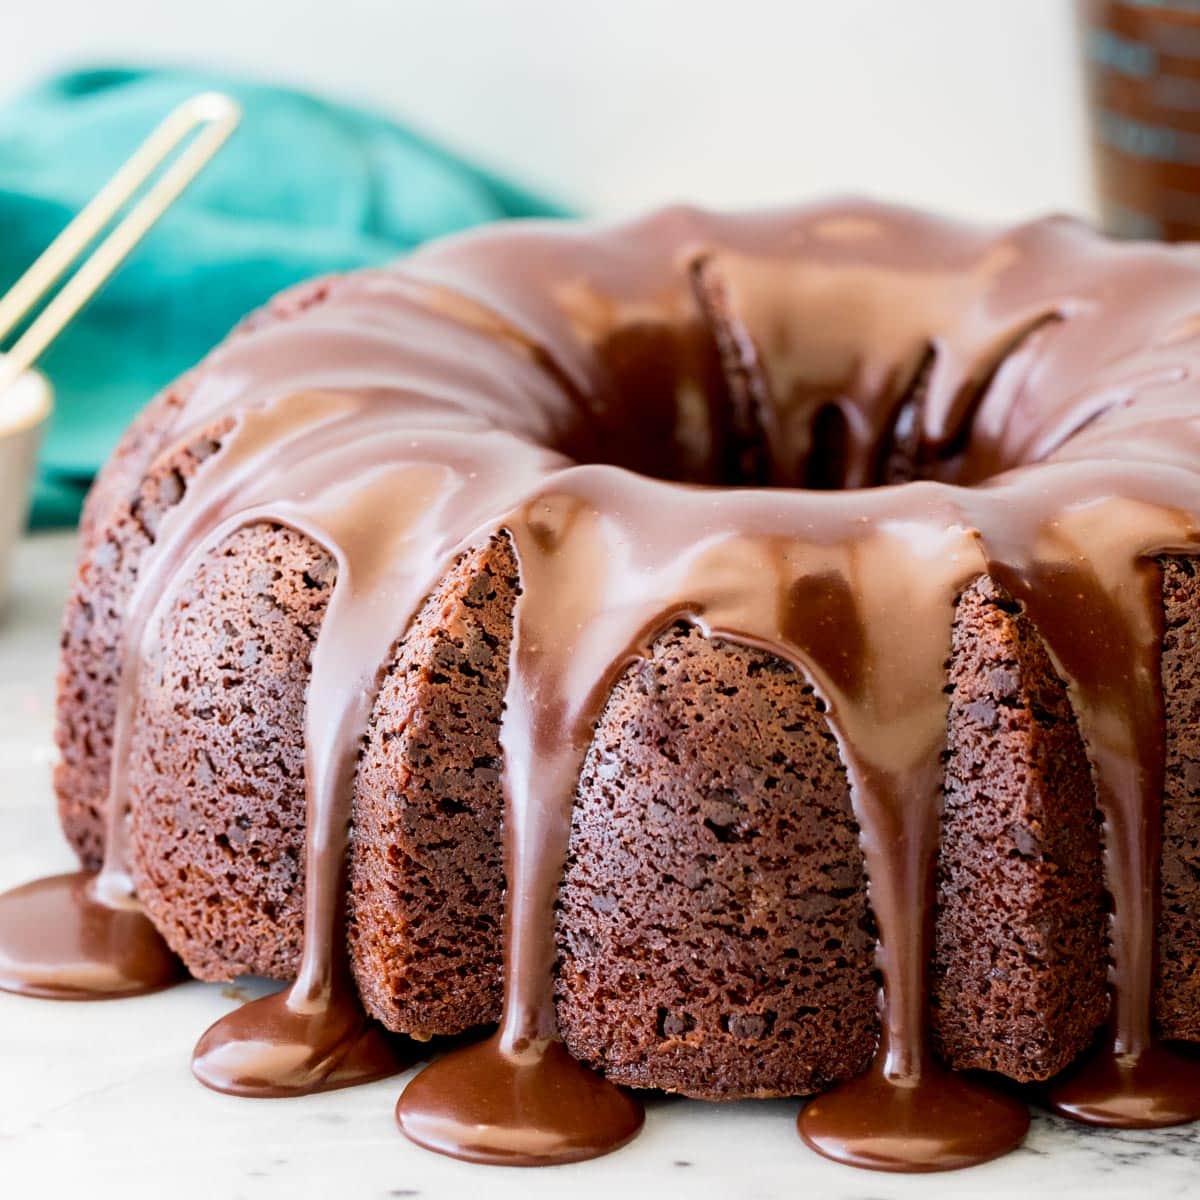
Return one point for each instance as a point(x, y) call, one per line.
point(1142, 67)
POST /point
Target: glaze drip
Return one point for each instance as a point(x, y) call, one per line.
point(659, 416)
point(62, 938)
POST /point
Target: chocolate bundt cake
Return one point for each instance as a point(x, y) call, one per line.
point(741, 655)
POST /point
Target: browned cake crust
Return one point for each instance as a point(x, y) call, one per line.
point(119, 523)
point(1177, 999)
point(1019, 974)
point(714, 925)
point(217, 764)
point(426, 865)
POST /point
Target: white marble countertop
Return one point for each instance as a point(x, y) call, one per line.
point(97, 1099)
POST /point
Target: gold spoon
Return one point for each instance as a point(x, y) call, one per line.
point(215, 116)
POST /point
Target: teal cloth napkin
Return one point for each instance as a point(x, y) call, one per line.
point(304, 186)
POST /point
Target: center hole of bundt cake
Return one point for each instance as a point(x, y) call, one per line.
point(739, 399)
point(734, 436)
point(701, 406)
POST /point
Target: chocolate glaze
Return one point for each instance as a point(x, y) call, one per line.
point(528, 1107)
point(280, 1046)
point(61, 938)
point(934, 1120)
point(597, 394)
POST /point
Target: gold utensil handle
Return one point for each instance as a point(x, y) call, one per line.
point(215, 116)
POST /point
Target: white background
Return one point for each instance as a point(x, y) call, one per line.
point(970, 106)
